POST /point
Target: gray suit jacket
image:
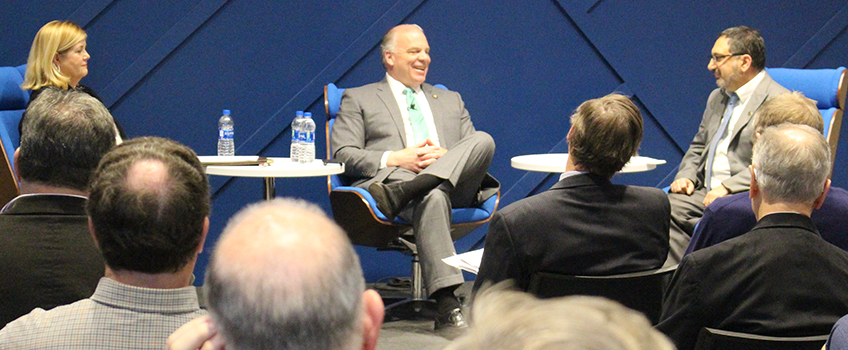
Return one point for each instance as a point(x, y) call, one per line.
point(369, 123)
point(739, 151)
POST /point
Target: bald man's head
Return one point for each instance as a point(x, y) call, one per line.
point(283, 275)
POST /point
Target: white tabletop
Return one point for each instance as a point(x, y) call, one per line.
point(555, 163)
point(280, 167)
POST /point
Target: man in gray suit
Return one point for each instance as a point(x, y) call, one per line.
point(415, 149)
point(716, 163)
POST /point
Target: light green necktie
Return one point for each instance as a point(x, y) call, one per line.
point(416, 118)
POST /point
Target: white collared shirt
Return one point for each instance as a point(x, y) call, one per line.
point(421, 99)
point(721, 164)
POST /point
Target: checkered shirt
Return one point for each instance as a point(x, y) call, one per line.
point(117, 316)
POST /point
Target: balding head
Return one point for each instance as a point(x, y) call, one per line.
point(149, 206)
point(790, 165)
point(284, 276)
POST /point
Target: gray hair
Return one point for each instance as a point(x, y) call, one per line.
point(63, 137)
point(295, 284)
point(511, 320)
point(388, 43)
point(746, 40)
point(792, 163)
point(790, 107)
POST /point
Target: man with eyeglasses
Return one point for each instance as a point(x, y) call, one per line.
point(716, 163)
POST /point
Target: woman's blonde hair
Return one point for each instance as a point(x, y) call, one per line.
point(53, 38)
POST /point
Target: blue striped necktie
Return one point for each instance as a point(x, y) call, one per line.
point(719, 135)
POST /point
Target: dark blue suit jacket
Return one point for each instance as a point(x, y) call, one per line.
point(583, 225)
point(780, 279)
point(732, 216)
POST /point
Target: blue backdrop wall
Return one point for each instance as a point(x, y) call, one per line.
point(169, 68)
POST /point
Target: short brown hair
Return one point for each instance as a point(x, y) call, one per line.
point(605, 133)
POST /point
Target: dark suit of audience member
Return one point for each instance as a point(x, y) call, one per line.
point(779, 279)
point(584, 224)
point(731, 216)
point(47, 253)
point(738, 63)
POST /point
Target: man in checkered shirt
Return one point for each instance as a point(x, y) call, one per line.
point(148, 213)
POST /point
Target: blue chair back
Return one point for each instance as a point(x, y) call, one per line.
point(827, 86)
point(822, 85)
point(13, 102)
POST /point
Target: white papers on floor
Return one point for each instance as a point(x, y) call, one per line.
point(468, 261)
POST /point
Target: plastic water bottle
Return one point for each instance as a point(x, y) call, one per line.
point(297, 125)
point(226, 147)
point(307, 139)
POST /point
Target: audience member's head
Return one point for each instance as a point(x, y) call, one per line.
point(149, 206)
point(511, 320)
point(791, 164)
point(284, 276)
point(745, 40)
point(605, 133)
point(63, 138)
point(790, 107)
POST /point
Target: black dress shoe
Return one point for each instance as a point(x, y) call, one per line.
point(386, 198)
point(450, 321)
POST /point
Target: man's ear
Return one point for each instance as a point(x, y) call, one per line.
point(91, 230)
point(817, 204)
point(746, 62)
point(389, 58)
point(372, 320)
point(203, 236)
point(15, 158)
point(755, 188)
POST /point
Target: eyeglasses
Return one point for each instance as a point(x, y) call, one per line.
point(719, 58)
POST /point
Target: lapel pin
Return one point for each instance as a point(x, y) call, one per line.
point(434, 96)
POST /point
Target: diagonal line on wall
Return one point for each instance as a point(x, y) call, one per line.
point(577, 15)
point(818, 42)
point(159, 51)
point(88, 11)
point(340, 65)
point(347, 58)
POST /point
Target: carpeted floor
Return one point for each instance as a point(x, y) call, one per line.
point(404, 328)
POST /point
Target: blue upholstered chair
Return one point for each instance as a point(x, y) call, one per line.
point(13, 102)
point(827, 86)
point(355, 210)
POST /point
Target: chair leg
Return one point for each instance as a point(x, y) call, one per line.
point(417, 280)
point(418, 297)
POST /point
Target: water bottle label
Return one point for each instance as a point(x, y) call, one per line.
point(225, 134)
point(309, 137)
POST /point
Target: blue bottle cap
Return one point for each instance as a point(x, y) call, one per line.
point(299, 113)
point(307, 114)
point(226, 112)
